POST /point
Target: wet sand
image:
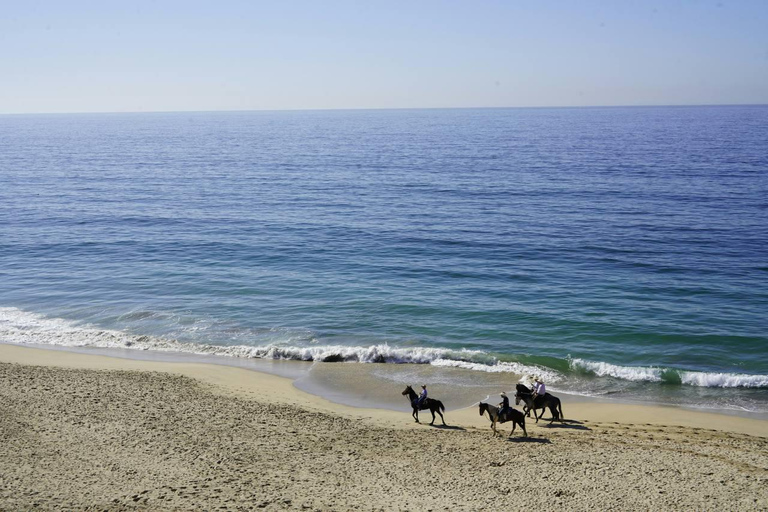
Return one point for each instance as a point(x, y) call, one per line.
point(91, 432)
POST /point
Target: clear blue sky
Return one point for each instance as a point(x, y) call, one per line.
point(104, 56)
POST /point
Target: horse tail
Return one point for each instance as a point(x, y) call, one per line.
point(440, 406)
point(560, 406)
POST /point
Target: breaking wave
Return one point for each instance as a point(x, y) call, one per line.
point(670, 375)
point(21, 327)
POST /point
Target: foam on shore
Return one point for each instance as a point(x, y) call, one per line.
point(22, 327)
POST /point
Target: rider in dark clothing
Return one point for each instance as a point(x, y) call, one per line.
point(504, 405)
point(422, 396)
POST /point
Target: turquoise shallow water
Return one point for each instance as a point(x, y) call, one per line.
point(619, 252)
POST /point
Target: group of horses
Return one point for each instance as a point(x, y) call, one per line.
point(522, 394)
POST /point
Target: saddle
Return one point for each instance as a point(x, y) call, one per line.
point(422, 406)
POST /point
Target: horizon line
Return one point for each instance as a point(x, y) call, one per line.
point(379, 109)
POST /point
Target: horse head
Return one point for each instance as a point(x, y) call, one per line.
point(517, 399)
point(522, 388)
point(483, 408)
point(408, 389)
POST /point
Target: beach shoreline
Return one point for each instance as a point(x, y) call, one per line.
point(283, 376)
point(350, 376)
point(155, 435)
point(374, 375)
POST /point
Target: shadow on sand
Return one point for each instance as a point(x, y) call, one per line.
point(447, 427)
point(570, 424)
point(540, 440)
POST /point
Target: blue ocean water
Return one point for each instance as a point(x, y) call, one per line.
point(615, 251)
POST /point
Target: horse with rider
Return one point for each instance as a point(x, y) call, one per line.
point(534, 399)
point(538, 398)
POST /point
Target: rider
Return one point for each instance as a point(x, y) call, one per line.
point(422, 396)
point(504, 405)
point(538, 388)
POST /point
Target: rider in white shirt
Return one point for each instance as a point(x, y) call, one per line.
point(538, 388)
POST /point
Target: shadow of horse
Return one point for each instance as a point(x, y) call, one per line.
point(449, 427)
point(539, 440)
point(568, 426)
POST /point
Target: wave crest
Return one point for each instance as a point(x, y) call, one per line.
point(723, 380)
point(21, 327)
point(670, 375)
point(633, 373)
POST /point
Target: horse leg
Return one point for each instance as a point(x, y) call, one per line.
point(493, 426)
point(441, 416)
point(416, 415)
point(552, 411)
point(433, 416)
point(535, 415)
point(522, 425)
point(513, 428)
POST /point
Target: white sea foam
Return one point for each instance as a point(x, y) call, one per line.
point(500, 367)
point(723, 380)
point(634, 373)
point(657, 374)
point(21, 327)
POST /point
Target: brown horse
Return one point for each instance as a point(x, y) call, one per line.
point(434, 406)
point(513, 415)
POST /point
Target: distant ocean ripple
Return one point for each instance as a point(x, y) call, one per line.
point(617, 252)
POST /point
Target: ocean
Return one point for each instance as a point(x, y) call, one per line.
point(619, 253)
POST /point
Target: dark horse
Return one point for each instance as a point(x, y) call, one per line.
point(434, 406)
point(541, 402)
point(513, 415)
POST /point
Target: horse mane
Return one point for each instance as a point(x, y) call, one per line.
point(488, 407)
point(523, 389)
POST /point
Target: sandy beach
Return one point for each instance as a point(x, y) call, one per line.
point(100, 433)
